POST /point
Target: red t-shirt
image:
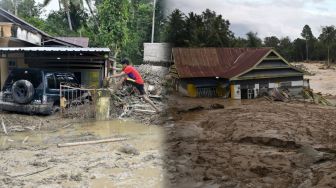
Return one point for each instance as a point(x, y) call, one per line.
point(133, 74)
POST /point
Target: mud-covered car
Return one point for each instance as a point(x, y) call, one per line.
point(36, 91)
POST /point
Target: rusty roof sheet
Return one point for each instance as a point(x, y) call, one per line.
point(245, 62)
point(216, 62)
point(79, 41)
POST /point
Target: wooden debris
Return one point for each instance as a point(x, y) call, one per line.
point(140, 110)
point(91, 142)
point(4, 126)
point(31, 173)
point(278, 95)
point(25, 139)
point(316, 97)
point(66, 126)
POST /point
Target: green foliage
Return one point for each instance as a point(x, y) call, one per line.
point(307, 33)
point(8, 5)
point(124, 25)
point(286, 48)
point(328, 36)
point(176, 29)
point(272, 42)
point(253, 40)
point(28, 9)
point(205, 30)
point(113, 17)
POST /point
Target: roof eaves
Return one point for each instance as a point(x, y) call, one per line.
point(20, 21)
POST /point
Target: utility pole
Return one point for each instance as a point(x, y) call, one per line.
point(153, 22)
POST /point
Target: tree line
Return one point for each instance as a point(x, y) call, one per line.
point(124, 25)
point(209, 29)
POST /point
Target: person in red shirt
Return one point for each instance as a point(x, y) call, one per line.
point(134, 78)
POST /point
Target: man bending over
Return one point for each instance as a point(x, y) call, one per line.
point(134, 78)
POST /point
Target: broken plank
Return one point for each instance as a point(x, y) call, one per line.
point(140, 110)
point(91, 142)
point(3, 126)
point(32, 173)
point(155, 96)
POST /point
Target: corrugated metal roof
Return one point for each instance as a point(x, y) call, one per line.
point(79, 41)
point(52, 49)
point(246, 61)
point(216, 62)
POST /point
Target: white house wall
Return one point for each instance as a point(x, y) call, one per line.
point(25, 35)
point(256, 90)
point(297, 83)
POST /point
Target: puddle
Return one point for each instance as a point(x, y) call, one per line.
point(86, 131)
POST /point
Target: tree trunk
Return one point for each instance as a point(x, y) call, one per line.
point(91, 11)
point(69, 19)
point(115, 61)
point(15, 7)
point(306, 50)
point(328, 58)
point(59, 5)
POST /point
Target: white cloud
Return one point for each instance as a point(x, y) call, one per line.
point(266, 17)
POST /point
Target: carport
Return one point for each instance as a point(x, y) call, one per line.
point(90, 65)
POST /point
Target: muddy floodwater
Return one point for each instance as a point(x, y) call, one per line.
point(32, 159)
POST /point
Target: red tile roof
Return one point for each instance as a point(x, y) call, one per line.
point(216, 62)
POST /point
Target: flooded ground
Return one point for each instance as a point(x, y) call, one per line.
point(323, 80)
point(32, 159)
point(255, 143)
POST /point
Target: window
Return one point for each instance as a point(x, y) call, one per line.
point(51, 81)
point(285, 84)
point(60, 79)
point(11, 64)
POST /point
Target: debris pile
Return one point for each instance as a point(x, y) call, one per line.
point(317, 98)
point(154, 77)
point(126, 102)
point(278, 95)
point(283, 96)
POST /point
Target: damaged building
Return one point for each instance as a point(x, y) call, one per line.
point(24, 46)
point(238, 73)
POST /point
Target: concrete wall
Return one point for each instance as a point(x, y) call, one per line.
point(157, 52)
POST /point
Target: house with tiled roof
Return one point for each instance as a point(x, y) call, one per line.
point(239, 73)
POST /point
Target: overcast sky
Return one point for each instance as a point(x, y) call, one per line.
point(266, 17)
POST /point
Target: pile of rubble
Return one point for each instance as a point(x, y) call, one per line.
point(278, 95)
point(126, 103)
point(317, 98)
point(308, 94)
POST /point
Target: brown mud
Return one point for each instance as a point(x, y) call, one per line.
point(32, 159)
point(256, 143)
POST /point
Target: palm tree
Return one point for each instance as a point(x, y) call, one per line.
point(328, 36)
point(66, 5)
point(77, 3)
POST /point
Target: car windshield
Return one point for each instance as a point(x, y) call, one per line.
point(34, 76)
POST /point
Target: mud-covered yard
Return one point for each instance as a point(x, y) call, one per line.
point(253, 143)
point(195, 143)
point(32, 158)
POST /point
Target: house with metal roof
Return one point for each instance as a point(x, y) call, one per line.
point(239, 73)
point(23, 45)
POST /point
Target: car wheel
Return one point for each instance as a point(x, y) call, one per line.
point(23, 91)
